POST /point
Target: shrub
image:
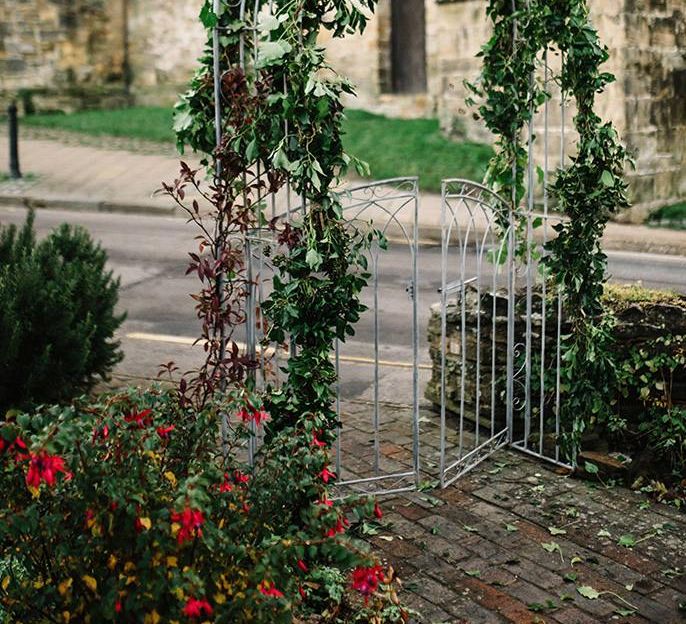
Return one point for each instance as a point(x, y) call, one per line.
point(125, 511)
point(56, 315)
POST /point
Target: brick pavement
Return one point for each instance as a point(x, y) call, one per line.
point(515, 539)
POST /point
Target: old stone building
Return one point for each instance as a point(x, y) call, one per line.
point(66, 54)
point(411, 61)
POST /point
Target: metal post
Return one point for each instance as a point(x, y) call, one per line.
point(13, 123)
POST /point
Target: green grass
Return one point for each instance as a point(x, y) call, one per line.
point(406, 147)
point(392, 147)
point(673, 216)
point(142, 122)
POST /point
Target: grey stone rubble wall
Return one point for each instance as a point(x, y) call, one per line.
point(637, 325)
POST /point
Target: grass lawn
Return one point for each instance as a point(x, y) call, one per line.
point(392, 147)
point(673, 216)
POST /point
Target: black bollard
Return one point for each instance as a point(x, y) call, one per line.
point(15, 172)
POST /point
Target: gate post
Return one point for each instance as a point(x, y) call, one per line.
point(13, 123)
point(511, 284)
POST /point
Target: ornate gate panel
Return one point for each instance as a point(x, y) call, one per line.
point(377, 449)
point(477, 286)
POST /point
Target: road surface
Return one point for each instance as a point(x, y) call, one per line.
point(149, 254)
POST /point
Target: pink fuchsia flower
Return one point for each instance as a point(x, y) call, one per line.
point(44, 467)
point(240, 477)
point(164, 432)
point(266, 588)
point(191, 521)
point(339, 527)
point(197, 608)
point(326, 474)
point(317, 442)
point(139, 420)
point(226, 485)
point(366, 580)
point(256, 416)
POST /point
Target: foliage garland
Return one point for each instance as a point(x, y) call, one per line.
point(282, 116)
point(587, 191)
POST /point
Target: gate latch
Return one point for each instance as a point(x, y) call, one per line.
point(409, 289)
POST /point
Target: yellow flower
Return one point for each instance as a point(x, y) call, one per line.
point(90, 582)
point(65, 586)
point(152, 618)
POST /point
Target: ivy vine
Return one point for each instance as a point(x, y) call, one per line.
point(282, 123)
point(588, 190)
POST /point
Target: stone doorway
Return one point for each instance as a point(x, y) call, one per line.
point(408, 46)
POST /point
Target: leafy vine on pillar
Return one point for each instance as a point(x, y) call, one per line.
point(588, 190)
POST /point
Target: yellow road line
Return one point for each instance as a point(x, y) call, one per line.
point(351, 359)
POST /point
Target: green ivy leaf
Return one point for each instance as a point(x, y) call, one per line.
point(588, 592)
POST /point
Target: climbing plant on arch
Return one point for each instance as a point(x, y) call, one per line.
point(587, 190)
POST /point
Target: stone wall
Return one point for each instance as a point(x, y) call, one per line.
point(639, 323)
point(69, 54)
point(75, 53)
point(647, 103)
point(65, 53)
point(165, 41)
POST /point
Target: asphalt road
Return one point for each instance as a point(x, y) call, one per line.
point(149, 254)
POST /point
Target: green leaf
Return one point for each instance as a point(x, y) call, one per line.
point(628, 541)
point(270, 52)
point(588, 592)
point(607, 179)
point(555, 531)
point(207, 16)
point(511, 528)
point(623, 612)
point(475, 573)
point(313, 259)
point(590, 468)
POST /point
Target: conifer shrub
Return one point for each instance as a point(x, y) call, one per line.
point(57, 315)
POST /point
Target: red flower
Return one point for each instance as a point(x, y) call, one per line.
point(139, 420)
point(302, 565)
point(338, 528)
point(44, 467)
point(303, 595)
point(226, 486)
point(326, 501)
point(257, 416)
point(317, 442)
point(164, 432)
point(378, 514)
point(326, 474)
point(239, 477)
point(267, 588)
point(117, 606)
point(366, 580)
point(191, 521)
point(103, 432)
point(14, 447)
point(197, 608)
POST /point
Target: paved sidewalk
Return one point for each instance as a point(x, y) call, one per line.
point(64, 170)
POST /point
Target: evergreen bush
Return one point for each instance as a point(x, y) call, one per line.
point(57, 317)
